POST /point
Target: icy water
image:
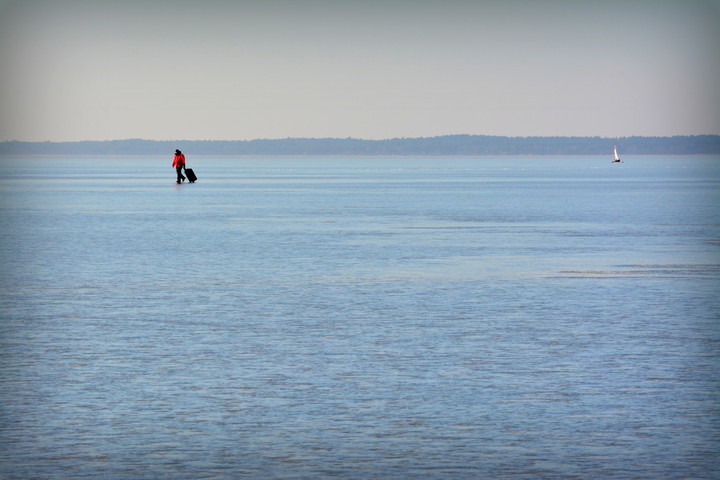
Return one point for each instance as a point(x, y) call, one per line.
point(360, 318)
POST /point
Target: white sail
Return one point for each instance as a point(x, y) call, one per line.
point(615, 152)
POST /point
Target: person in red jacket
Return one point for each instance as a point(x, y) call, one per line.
point(179, 164)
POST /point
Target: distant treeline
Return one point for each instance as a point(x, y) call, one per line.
point(443, 145)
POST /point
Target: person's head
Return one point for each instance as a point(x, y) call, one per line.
point(177, 152)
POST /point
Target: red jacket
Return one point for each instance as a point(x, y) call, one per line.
point(179, 161)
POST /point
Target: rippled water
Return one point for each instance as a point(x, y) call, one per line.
point(360, 318)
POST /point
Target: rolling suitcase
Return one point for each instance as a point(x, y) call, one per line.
point(190, 175)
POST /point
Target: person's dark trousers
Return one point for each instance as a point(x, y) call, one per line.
point(180, 176)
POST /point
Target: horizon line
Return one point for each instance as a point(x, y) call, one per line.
point(364, 139)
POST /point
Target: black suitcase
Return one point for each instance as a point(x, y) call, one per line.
point(190, 175)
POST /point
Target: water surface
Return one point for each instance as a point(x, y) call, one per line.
point(360, 318)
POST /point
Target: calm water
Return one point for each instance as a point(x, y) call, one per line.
point(360, 318)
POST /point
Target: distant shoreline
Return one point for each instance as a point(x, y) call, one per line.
point(449, 145)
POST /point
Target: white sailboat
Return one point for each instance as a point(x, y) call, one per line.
point(617, 159)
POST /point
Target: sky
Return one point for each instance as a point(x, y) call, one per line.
point(74, 70)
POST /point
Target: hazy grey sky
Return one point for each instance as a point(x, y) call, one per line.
point(212, 69)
